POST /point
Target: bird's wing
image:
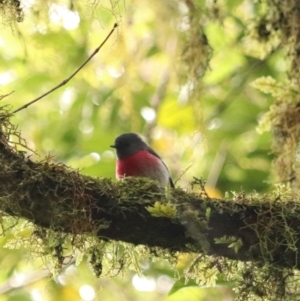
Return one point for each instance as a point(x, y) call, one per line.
point(151, 151)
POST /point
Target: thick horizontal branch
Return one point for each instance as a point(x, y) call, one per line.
point(52, 195)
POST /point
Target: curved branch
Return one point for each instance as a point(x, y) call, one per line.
point(52, 195)
point(65, 81)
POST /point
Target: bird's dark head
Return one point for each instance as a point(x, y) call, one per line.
point(128, 144)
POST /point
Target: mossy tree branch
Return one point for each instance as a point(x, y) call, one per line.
point(52, 195)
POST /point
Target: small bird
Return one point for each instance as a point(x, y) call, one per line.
point(137, 159)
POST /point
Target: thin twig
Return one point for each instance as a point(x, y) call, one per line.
point(71, 76)
point(5, 95)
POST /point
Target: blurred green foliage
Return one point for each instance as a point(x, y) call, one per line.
point(143, 80)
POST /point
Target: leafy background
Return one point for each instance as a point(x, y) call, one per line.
point(143, 80)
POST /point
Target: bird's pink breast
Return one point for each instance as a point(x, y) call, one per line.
point(142, 164)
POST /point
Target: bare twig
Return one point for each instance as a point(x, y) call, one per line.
point(71, 76)
point(5, 95)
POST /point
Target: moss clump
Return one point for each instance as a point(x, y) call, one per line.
point(11, 10)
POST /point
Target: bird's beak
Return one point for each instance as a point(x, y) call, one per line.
point(113, 146)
